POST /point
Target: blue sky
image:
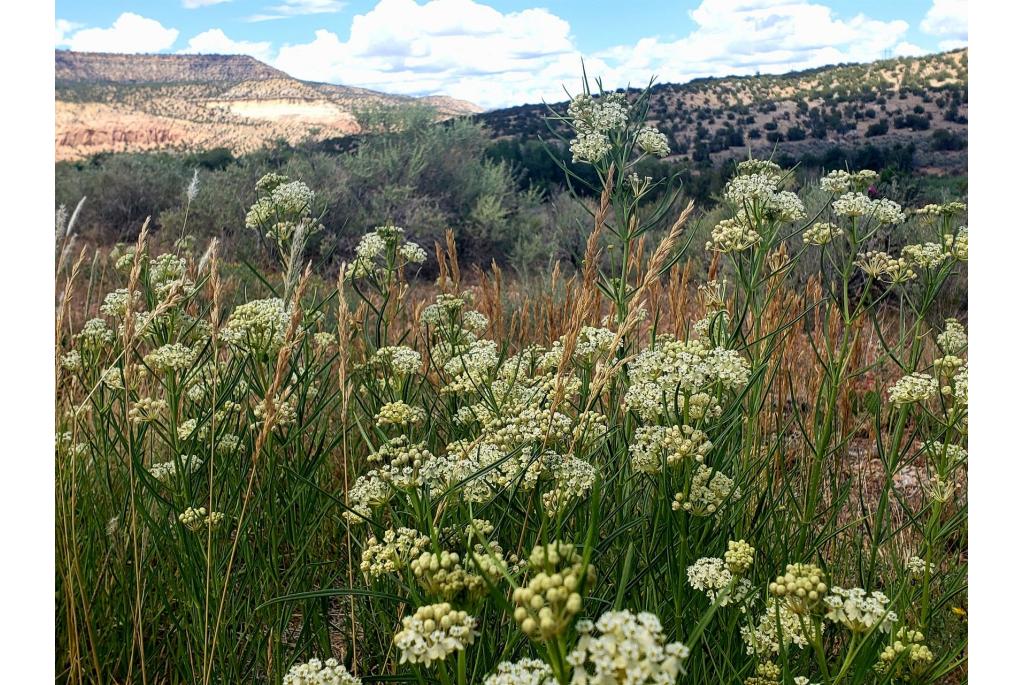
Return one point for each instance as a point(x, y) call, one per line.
point(502, 52)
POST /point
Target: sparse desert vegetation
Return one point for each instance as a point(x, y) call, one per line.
point(672, 443)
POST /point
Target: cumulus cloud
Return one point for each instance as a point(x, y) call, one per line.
point(457, 47)
point(129, 33)
point(293, 8)
point(63, 28)
point(196, 4)
point(741, 37)
point(216, 42)
point(948, 20)
point(469, 50)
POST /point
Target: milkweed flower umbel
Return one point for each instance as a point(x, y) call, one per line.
point(859, 611)
point(547, 603)
point(522, 672)
point(914, 387)
point(434, 632)
point(258, 326)
point(316, 672)
point(803, 587)
point(627, 649)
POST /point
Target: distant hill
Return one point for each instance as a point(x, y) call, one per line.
point(920, 101)
point(129, 103)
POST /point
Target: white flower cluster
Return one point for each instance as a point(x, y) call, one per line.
point(285, 408)
point(589, 146)
point(879, 264)
point(625, 649)
point(859, 611)
point(547, 603)
point(95, 335)
point(953, 340)
point(914, 387)
point(112, 379)
point(765, 673)
point(401, 462)
point(925, 256)
point(822, 233)
point(282, 207)
point(257, 327)
point(732, 235)
point(757, 193)
point(907, 658)
point(752, 188)
point(653, 142)
point(522, 672)
point(399, 414)
point(384, 248)
point(118, 303)
point(739, 556)
point(65, 444)
point(592, 120)
point(572, 479)
point(655, 446)
point(293, 197)
point(802, 586)
point(758, 166)
point(840, 181)
point(442, 574)
point(367, 493)
point(167, 470)
point(447, 312)
point(171, 358)
point(197, 519)
point(682, 377)
point(591, 345)
point(166, 273)
point(399, 360)
point(854, 205)
point(316, 672)
point(956, 244)
point(434, 632)
point(470, 368)
point(944, 210)
point(147, 409)
point(709, 491)
point(960, 388)
point(778, 625)
point(72, 361)
point(709, 575)
point(917, 567)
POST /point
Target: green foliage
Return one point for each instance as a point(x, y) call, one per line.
point(409, 173)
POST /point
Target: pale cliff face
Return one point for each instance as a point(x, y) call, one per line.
point(132, 103)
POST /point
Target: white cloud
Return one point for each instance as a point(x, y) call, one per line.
point(195, 4)
point(906, 49)
point(947, 19)
point(129, 33)
point(469, 50)
point(740, 37)
point(215, 41)
point(64, 27)
point(293, 8)
point(456, 47)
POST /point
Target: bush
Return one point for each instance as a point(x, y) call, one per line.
point(946, 140)
point(879, 128)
